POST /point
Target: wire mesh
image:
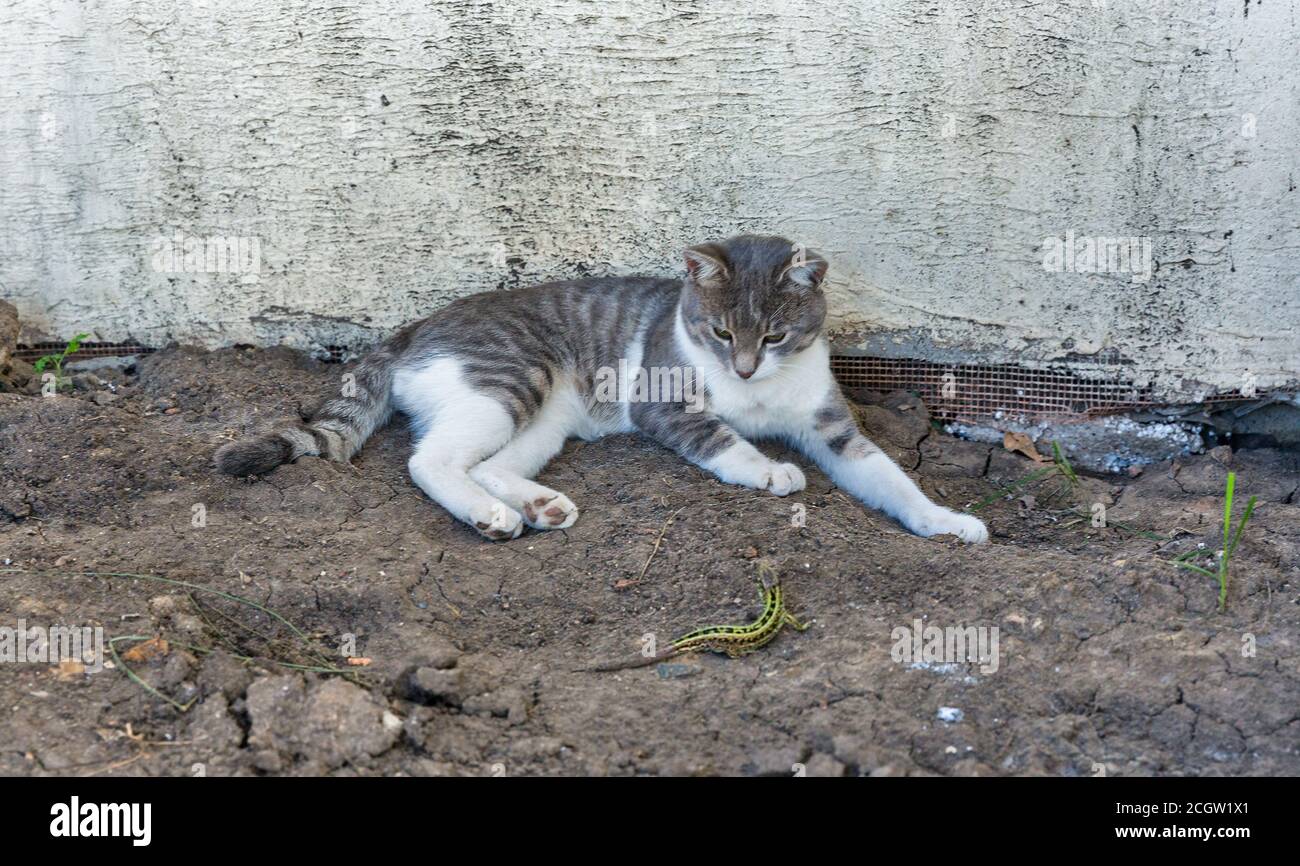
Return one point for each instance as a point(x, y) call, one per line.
point(971, 392)
point(953, 392)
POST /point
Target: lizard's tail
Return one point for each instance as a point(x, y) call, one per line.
point(626, 664)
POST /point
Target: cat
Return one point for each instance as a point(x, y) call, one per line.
point(495, 383)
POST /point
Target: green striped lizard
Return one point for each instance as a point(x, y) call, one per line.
point(733, 640)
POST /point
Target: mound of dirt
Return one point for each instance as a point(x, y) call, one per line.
point(1109, 659)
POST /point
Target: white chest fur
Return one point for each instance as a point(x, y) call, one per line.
point(775, 402)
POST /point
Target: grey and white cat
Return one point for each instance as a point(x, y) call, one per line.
point(495, 383)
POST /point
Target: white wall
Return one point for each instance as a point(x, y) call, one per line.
point(391, 155)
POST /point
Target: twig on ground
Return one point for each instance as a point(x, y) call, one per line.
point(658, 541)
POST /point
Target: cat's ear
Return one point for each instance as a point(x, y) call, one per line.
point(805, 268)
point(706, 264)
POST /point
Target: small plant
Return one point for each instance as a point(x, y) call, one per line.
point(56, 360)
point(1231, 538)
point(1063, 465)
point(1060, 467)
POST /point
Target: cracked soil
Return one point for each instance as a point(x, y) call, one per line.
point(1110, 658)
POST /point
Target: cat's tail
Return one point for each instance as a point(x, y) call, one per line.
point(337, 430)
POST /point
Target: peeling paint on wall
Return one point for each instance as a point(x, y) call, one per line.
point(392, 156)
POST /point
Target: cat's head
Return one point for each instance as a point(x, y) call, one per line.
point(753, 301)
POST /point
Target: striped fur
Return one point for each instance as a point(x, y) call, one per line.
point(494, 384)
point(337, 430)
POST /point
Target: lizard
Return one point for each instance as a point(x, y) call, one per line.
point(733, 640)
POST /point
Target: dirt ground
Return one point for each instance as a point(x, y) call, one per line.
point(1110, 659)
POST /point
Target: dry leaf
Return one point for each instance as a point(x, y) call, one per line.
point(70, 669)
point(1019, 443)
point(150, 649)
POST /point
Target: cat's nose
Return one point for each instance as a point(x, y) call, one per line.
point(744, 374)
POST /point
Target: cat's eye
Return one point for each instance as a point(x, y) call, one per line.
point(773, 339)
point(722, 333)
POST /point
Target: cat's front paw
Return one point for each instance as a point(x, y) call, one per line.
point(941, 521)
point(784, 479)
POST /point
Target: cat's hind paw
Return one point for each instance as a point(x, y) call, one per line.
point(941, 521)
point(553, 511)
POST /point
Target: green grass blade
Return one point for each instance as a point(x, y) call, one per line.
point(1236, 537)
point(1196, 568)
point(135, 678)
point(307, 643)
point(1227, 507)
point(1028, 479)
point(1059, 459)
